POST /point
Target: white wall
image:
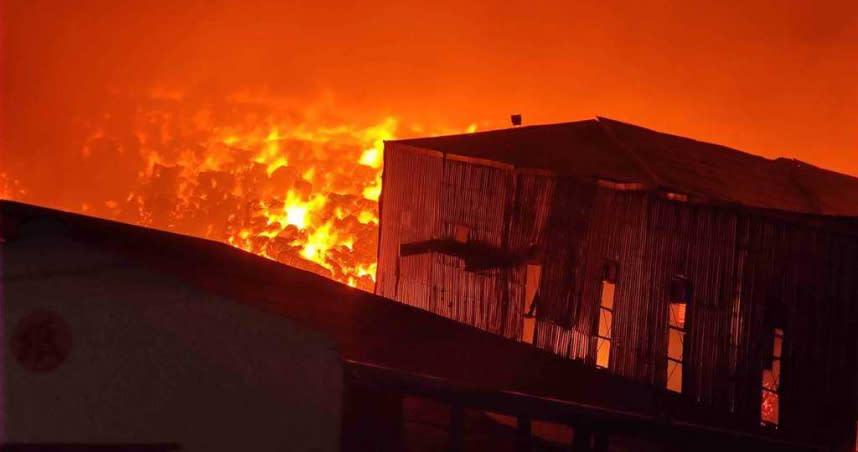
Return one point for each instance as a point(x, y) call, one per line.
point(155, 360)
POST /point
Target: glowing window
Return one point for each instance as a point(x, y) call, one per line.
point(770, 402)
point(679, 295)
point(604, 335)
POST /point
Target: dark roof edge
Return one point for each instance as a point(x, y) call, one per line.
point(603, 122)
point(607, 121)
point(411, 141)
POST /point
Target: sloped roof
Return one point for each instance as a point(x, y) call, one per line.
point(613, 150)
point(578, 148)
point(385, 340)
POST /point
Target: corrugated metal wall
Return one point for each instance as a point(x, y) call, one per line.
point(410, 211)
point(739, 264)
point(427, 196)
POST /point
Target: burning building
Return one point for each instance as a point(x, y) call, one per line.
point(702, 294)
point(687, 266)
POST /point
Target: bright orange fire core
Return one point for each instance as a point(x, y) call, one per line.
point(291, 185)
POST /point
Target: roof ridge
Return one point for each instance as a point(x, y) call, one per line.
point(477, 133)
point(641, 164)
point(722, 147)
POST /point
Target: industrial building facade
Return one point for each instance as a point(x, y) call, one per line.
point(702, 270)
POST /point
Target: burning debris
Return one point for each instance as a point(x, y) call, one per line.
point(283, 187)
point(297, 186)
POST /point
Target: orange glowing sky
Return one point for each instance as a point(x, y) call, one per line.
point(771, 78)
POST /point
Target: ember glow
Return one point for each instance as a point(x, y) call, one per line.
point(10, 188)
point(296, 186)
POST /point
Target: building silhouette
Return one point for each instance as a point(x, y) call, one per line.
point(696, 270)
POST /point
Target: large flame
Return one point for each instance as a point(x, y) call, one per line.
point(299, 187)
